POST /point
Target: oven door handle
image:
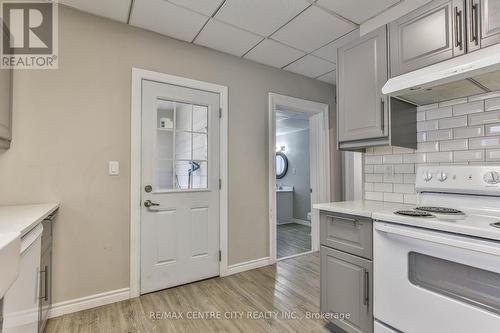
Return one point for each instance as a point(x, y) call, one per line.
point(434, 237)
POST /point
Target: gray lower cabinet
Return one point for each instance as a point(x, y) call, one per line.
point(346, 271)
point(362, 72)
point(428, 35)
point(45, 294)
point(483, 23)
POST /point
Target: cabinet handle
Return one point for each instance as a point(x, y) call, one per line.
point(45, 296)
point(366, 288)
point(346, 219)
point(474, 25)
point(382, 114)
point(458, 29)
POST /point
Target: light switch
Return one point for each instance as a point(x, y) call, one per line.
point(114, 168)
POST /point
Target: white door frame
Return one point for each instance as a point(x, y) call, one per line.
point(319, 155)
point(138, 75)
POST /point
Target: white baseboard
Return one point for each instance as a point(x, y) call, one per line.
point(248, 265)
point(303, 222)
point(89, 302)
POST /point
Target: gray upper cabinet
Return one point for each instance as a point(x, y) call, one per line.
point(362, 72)
point(428, 35)
point(483, 23)
point(5, 108)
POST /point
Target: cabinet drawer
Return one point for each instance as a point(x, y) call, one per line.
point(46, 235)
point(348, 233)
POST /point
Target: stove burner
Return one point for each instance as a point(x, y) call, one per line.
point(413, 213)
point(440, 210)
point(496, 225)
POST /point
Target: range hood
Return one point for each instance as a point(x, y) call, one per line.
point(471, 74)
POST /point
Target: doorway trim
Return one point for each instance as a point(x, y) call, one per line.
point(138, 75)
point(319, 166)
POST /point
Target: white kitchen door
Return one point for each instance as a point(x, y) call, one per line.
point(180, 186)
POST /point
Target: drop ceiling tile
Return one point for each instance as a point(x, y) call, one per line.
point(329, 77)
point(357, 11)
point(274, 54)
point(114, 9)
point(311, 66)
point(167, 19)
point(226, 38)
point(329, 51)
point(205, 7)
point(262, 17)
point(312, 29)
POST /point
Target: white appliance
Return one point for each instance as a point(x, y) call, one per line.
point(440, 272)
point(21, 302)
point(454, 78)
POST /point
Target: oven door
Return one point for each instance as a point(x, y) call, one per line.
point(430, 281)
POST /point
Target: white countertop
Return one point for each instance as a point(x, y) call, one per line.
point(360, 207)
point(22, 218)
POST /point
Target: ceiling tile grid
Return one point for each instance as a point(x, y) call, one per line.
point(301, 36)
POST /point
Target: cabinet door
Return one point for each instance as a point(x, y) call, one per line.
point(346, 288)
point(45, 289)
point(428, 35)
point(483, 23)
point(5, 107)
point(362, 72)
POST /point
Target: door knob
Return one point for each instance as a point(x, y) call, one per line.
point(149, 203)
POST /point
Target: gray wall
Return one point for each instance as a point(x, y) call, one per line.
point(297, 152)
point(69, 123)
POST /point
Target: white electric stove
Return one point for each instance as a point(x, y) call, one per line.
point(437, 266)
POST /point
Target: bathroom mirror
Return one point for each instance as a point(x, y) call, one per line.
point(281, 165)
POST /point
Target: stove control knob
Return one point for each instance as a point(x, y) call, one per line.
point(427, 176)
point(442, 176)
point(491, 177)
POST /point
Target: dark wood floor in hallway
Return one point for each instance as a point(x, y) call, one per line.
point(289, 287)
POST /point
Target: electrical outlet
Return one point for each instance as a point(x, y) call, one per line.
point(389, 170)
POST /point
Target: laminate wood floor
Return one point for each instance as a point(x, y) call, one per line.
point(293, 238)
point(291, 286)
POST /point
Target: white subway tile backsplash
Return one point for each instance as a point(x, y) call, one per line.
point(462, 109)
point(375, 159)
point(449, 145)
point(394, 197)
point(453, 102)
point(451, 133)
point(409, 158)
point(468, 132)
point(374, 178)
point(395, 178)
point(493, 129)
point(484, 118)
point(410, 199)
point(393, 159)
point(404, 188)
point(468, 155)
point(427, 107)
point(440, 157)
point(427, 125)
point(374, 196)
point(493, 155)
point(486, 142)
point(492, 104)
point(404, 168)
point(424, 147)
point(446, 134)
point(382, 187)
point(453, 122)
point(484, 96)
point(439, 113)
